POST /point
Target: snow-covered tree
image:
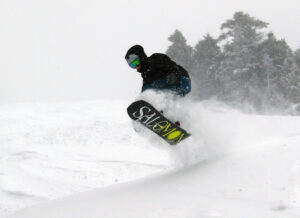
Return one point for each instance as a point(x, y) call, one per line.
point(206, 60)
point(240, 66)
point(297, 57)
point(249, 67)
point(290, 80)
point(279, 73)
point(179, 51)
point(278, 50)
point(268, 81)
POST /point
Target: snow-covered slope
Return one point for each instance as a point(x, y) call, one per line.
point(234, 165)
point(53, 150)
point(262, 184)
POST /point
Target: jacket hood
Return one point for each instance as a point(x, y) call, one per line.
point(139, 51)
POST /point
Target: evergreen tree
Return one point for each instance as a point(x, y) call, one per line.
point(297, 57)
point(294, 91)
point(179, 51)
point(268, 81)
point(240, 66)
point(249, 68)
point(206, 58)
point(280, 81)
point(290, 80)
point(278, 50)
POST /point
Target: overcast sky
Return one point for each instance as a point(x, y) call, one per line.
point(65, 50)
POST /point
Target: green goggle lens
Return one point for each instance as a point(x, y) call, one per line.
point(135, 63)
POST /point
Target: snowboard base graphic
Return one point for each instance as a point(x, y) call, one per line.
point(143, 112)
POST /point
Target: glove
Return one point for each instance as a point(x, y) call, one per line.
point(172, 79)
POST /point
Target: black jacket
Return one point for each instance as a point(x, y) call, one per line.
point(157, 67)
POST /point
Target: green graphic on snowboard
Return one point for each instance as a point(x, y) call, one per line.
point(147, 115)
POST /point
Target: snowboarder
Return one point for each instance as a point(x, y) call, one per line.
point(159, 71)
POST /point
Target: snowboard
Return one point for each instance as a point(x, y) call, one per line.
point(143, 112)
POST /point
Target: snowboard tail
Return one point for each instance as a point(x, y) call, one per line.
point(143, 112)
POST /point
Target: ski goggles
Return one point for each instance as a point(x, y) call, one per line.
point(133, 61)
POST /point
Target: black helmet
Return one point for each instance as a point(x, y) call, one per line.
point(137, 50)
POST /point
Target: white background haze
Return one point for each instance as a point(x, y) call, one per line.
point(63, 50)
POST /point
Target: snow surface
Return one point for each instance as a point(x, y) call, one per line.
point(234, 165)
